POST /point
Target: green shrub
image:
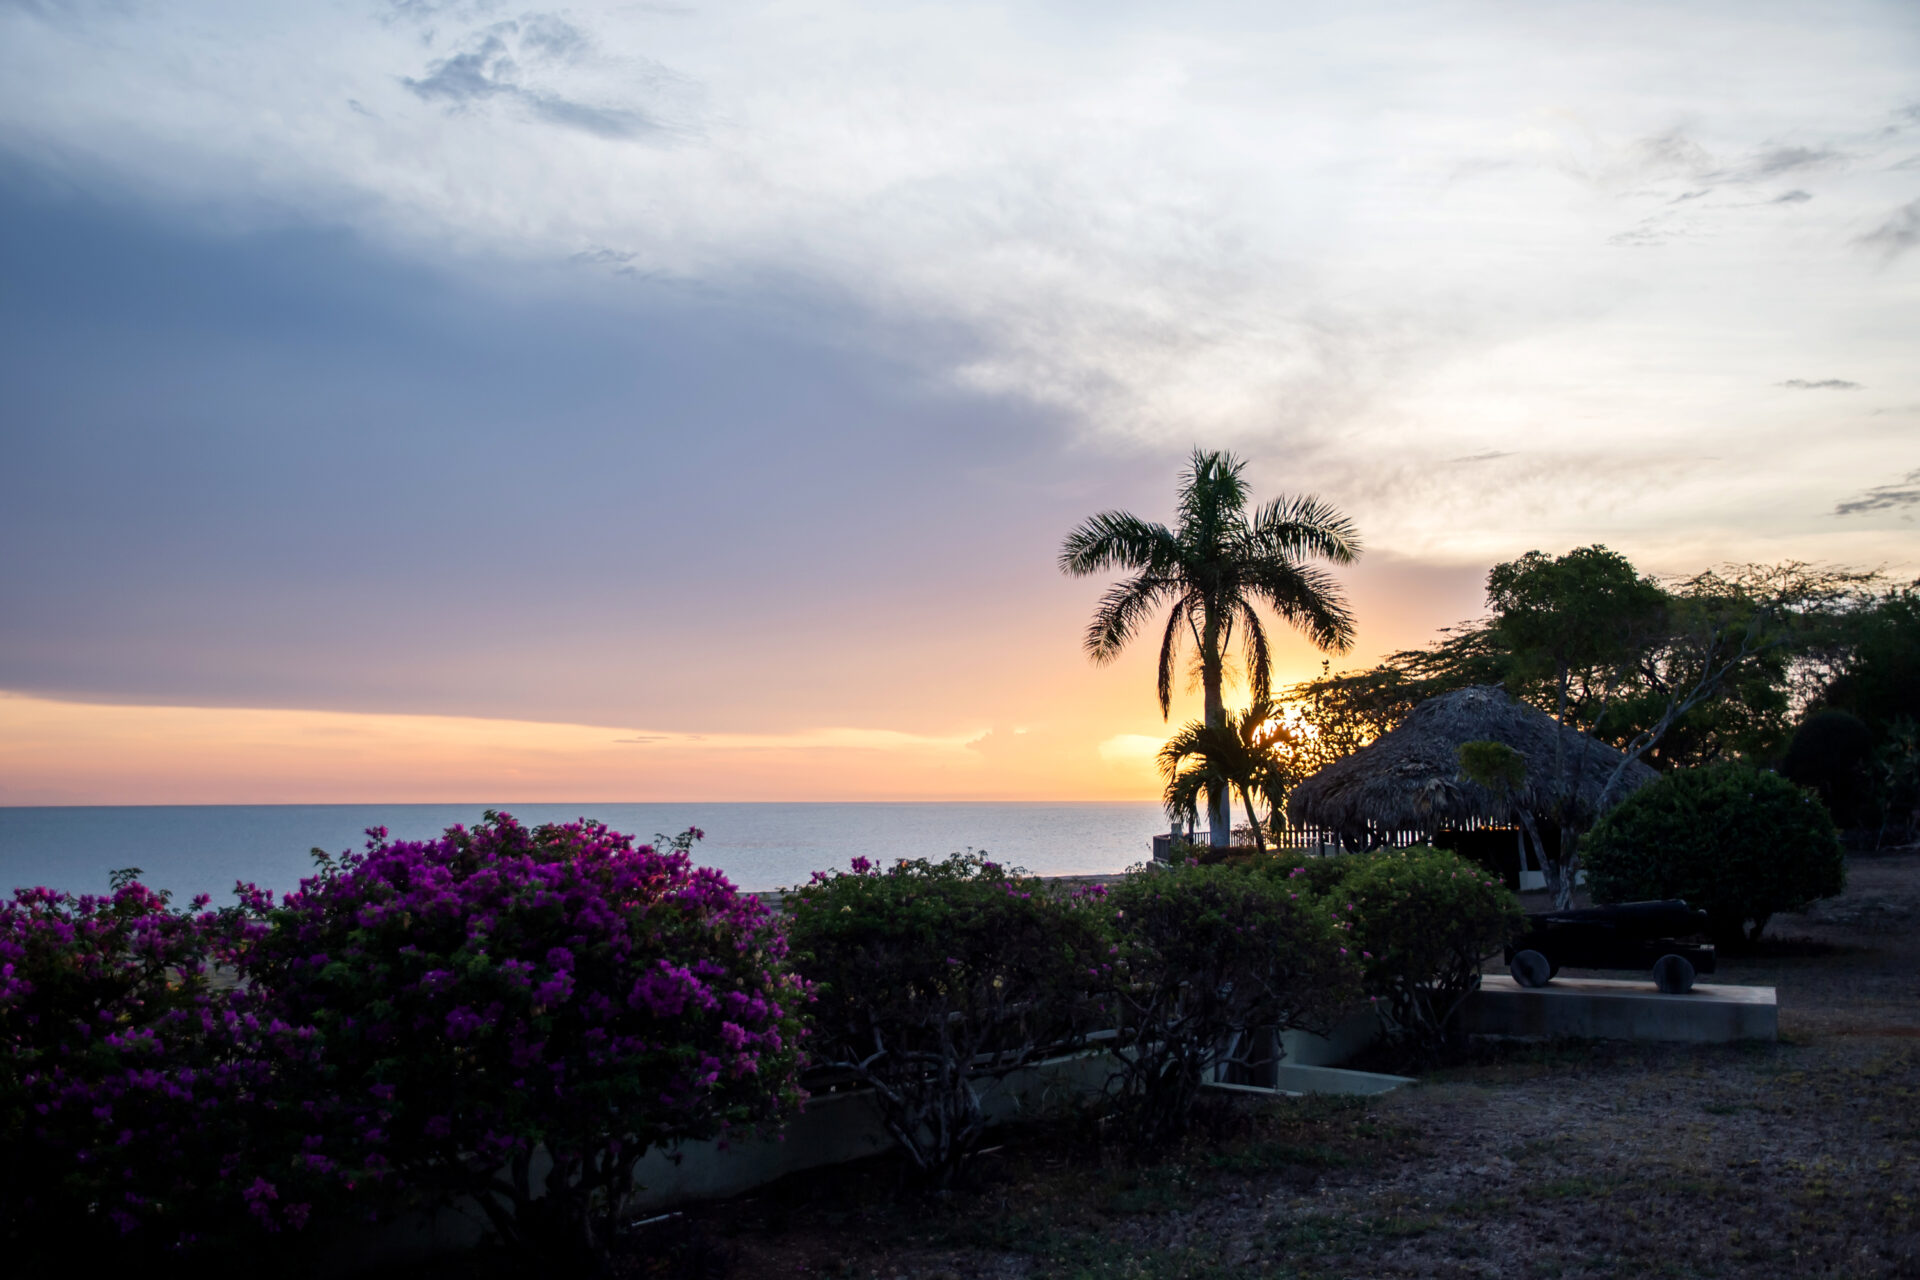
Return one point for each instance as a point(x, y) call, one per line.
point(1422, 920)
point(1740, 843)
point(1316, 876)
point(1205, 953)
point(931, 977)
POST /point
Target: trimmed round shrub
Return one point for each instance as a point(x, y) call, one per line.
point(932, 978)
point(1738, 842)
point(1315, 876)
point(139, 1101)
point(1206, 955)
point(501, 990)
point(1423, 921)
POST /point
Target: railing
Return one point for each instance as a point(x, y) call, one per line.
point(1323, 840)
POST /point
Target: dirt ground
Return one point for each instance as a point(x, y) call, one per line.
point(1572, 1159)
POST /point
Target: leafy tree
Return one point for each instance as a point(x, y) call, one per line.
point(1339, 713)
point(1877, 672)
point(1722, 681)
point(1832, 754)
point(1898, 765)
point(1494, 765)
point(1606, 650)
point(1211, 573)
point(1760, 641)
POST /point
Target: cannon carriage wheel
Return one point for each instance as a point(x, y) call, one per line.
point(1532, 969)
point(1673, 974)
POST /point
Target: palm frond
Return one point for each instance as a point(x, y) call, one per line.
point(1213, 496)
point(1308, 598)
point(1169, 646)
point(1259, 656)
point(1189, 739)
point(1181, 798)
point(1289, 528)
point(1120, 612)
point(1116, 540)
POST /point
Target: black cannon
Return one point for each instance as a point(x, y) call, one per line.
point(1632, 935)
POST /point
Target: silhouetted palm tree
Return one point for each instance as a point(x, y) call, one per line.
point(1241, 754)
point(1213, 570)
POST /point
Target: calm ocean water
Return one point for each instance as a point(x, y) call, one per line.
point(205, 848)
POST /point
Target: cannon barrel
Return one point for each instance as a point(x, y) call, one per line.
point(1669, 918)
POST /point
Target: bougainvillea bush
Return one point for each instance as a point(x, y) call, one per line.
point(1423, 921)
point(519, 1015)
point(1732, 840)
point(933, 978)
point(1204, 956)
point(139, 1100)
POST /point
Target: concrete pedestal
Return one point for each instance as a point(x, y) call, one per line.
point(1610, 1009)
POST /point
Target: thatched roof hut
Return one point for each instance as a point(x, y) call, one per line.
point(1409, 779)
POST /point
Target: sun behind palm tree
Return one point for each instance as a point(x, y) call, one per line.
point(1214, 571)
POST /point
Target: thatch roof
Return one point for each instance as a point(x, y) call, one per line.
point(1409, 779)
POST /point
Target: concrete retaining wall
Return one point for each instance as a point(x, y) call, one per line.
point(1610, 1009)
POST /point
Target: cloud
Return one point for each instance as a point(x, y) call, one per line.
point(1647, 234)
point(1670, 152)
point(1483, 457)
point(1824, 384)
point(1886, 497)
point(1778, 160)
point(607, 122)
point(551, 36)
point(490, 69)
point(1899, 233)
point(1792, 197)
point(465, 77)
point(831, 739)
point(1130, 746)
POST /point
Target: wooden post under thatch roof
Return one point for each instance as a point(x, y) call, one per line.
point(1409, 779)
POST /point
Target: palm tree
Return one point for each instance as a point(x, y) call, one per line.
point(1240, 755)
point(1213, 571)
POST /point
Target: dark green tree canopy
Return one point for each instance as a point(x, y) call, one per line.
point(1572, 616)
point(1878, 676)
point(1766, 639)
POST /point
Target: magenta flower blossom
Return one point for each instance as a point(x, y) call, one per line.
point(502, 988)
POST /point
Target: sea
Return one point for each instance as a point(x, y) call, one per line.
point(190, 849)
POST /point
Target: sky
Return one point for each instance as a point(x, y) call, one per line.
point(410, 401)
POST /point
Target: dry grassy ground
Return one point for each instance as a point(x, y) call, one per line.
point(1800, 1158)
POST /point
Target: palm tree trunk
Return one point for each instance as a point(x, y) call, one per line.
point(1253, 819)
point(1219, 794)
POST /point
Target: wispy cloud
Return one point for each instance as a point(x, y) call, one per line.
point(832, 739)
point(1823, 384)
point(491, 68)
point(1899, 233)
point(1887, 497)
point(1775, 161)
point(1489, 456)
